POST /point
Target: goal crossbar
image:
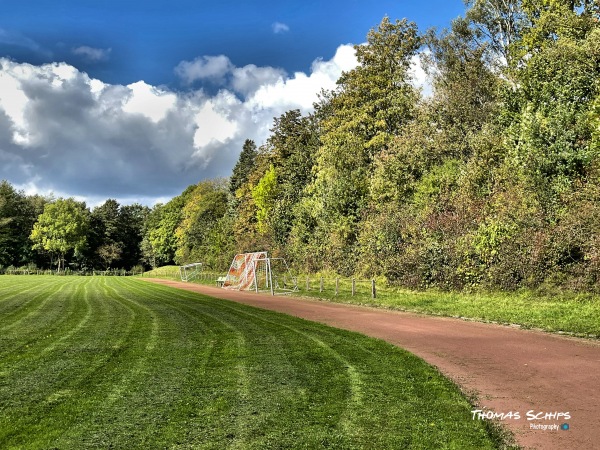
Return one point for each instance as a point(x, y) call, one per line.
point(275, 276)
point(257, 272)
point(190, 271)
point(240, 275)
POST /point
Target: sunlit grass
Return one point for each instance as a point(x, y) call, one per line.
point(559, 312)
point(565, 312)
point(106, 362)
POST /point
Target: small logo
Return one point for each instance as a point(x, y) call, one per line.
point(564, 426)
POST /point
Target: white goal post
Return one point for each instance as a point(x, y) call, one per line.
point(273, 274)
point(257, 272)
point(190, 271)
point(240, 275)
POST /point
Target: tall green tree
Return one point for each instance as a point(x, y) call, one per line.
point(62, 227)
point(131, 232)
point(115, 234)
point(243, 167)
point(11, 235)
point(18, 213)
point(103, 243)
point(556, 66)
point(465, 90)
point(202, 216)
point(428, 185)
point(264, 195)
point(370, 106)
point(291, 148)
point(497, 25)
point(159, 242)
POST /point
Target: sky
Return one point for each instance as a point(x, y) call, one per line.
point(137, 100)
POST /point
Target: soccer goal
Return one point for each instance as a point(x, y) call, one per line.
point(190, 271)
point(257, 272)
point(273, 275)
point(241, 272)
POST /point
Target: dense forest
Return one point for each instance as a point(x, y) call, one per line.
point(491, 181)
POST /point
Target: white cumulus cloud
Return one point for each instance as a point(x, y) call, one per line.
point(248, 79)
point(148, 101)
point(212, 68)
point(213, 123)
point(301, 90)
point(64, 132)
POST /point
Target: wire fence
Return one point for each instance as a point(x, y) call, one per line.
point(314, 285)
point(69, 272)
point(305, 284)
point(337, 286)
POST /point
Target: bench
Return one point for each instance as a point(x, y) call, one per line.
point(221, 281)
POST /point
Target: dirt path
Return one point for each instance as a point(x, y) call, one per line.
point(510, 370)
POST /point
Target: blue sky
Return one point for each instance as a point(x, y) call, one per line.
point(147, 39)
point(214, 73)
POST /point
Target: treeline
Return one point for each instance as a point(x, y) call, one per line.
point(491, 181)
point(45, 233)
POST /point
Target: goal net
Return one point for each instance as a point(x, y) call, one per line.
point(241, 272)
point(190, 271)
point(273, 274)
point(258, 272)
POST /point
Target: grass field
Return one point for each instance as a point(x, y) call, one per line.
point(103, 362)
point(567, 312)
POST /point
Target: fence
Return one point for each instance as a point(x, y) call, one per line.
point(327, 286)
point(337, 286)
point(68, 272)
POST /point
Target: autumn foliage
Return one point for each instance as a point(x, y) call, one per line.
point(491, 180)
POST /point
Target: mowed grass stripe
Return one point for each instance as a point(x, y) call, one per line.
point(43, 318)
point(39, 329)
point(75, 364)
point(12, 285)
point(118, 381)
point(20, 304)
point(226, 389)
point(157, 390)
point(267, 370)
point(144, 366)
point(342, 387)
point(11, 288)
point(345, 382)
point(426, 386)
point(49, 379)
point(348, 379)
